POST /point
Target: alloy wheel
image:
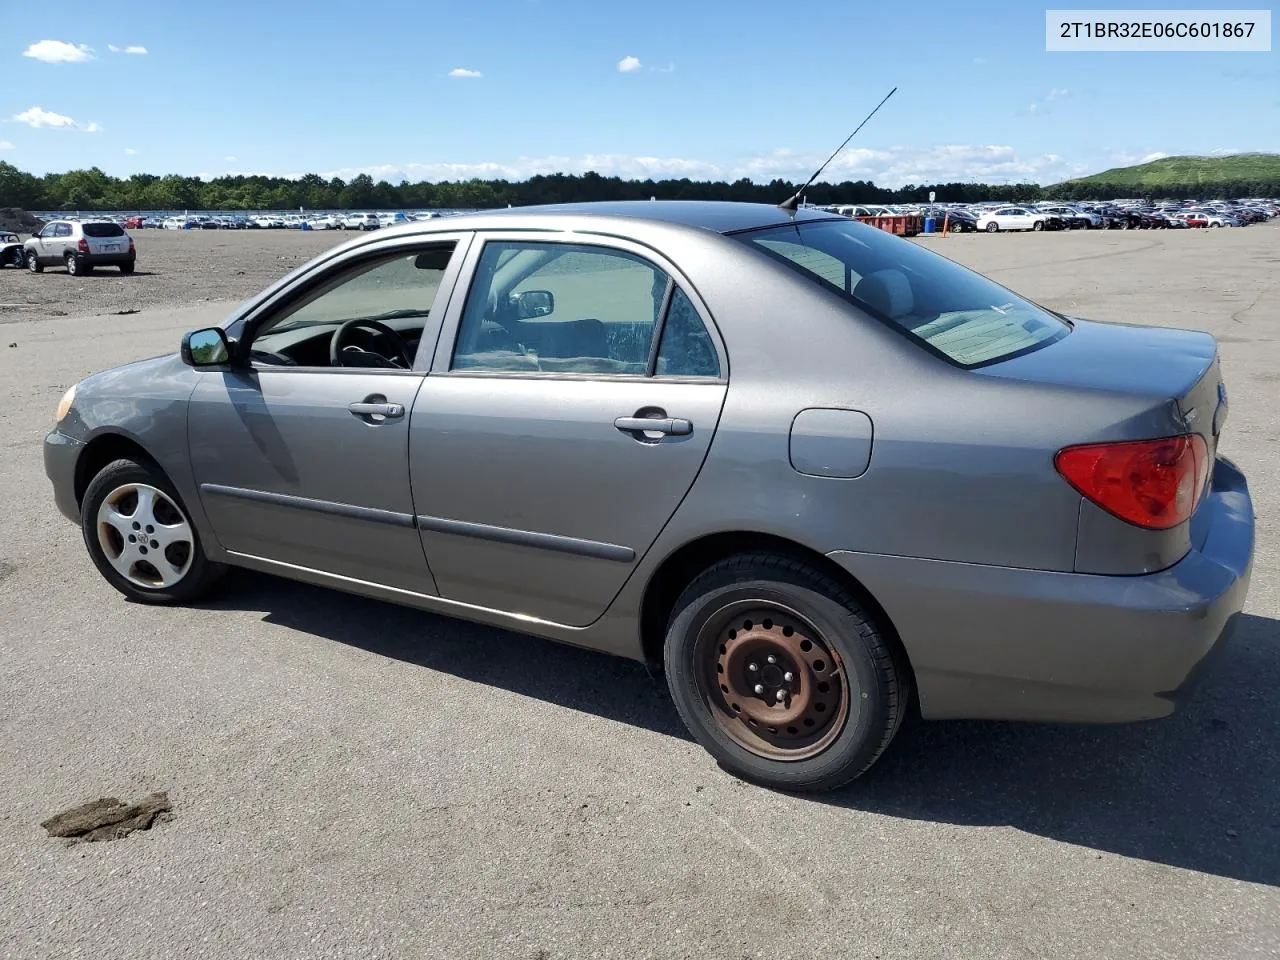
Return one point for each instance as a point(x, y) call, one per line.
point(145, 536)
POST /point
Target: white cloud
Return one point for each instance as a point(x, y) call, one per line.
point(628, 64)
point(229, 159)
point(59, 51)
point(1032, 108)
point(135, 50)
point(462, 73)
point(5, 145)
point(130, 151)
point(1056, 93)
point(41, 119)
point(887, 166)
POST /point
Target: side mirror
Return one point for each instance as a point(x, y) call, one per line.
point(206, 348)
point(534, 303)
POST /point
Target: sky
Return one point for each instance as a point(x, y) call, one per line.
point(429, 90)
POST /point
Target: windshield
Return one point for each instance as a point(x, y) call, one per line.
point(951, 310)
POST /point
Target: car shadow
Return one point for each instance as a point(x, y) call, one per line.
point(1199, 790)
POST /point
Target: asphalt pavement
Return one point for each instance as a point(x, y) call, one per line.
point(355, 779)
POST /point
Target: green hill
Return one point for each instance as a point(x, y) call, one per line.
point(1189, 172)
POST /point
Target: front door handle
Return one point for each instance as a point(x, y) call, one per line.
point(671, 426)
point(388, 411)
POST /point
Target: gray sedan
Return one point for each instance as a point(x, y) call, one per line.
point(827, 479)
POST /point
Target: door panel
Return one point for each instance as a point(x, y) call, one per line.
point(287, 472)
point(531, 501)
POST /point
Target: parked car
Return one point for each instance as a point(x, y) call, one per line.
point(1072, 218)
point(81, 246)
point(327, 222)
point(992, 519)
point(1013, 218)
point(960, 221)
point(359, 221)
point(12, 253)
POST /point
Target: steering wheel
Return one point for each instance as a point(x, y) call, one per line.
point(343, 354)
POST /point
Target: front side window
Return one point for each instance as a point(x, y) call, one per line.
point(394, 291)
point(951, 310)
point(560, 308)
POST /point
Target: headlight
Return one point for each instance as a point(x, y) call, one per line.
point(64, 405)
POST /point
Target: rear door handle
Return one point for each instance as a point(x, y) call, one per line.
point(672, 426)
point(388, 410)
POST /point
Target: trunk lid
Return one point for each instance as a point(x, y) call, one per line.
point(1158, 363)
point(1163, 382)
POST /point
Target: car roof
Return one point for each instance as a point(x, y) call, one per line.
point(720, 216)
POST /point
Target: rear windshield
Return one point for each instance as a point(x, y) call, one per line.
point(103, 230)
point(951, 310)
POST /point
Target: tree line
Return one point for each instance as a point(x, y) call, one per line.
point(93, 189)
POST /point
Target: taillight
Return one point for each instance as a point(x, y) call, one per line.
point(83, 245)
point(131, 244)
point(1152, 483)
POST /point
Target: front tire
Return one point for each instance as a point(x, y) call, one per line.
point(782, 675)
point(141, 538)
point(1038, 226)
point(993, 227)
point(34, 264)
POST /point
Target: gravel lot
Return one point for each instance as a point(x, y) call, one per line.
point(351, 778)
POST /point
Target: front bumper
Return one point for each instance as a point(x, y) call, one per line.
point(1012, 644)
point(61, 453)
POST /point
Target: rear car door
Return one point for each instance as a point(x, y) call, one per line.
point(571, 404)
point(303, 463)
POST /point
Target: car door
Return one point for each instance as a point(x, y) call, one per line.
point(571, 404)
point(303, 463)
point(38, 240)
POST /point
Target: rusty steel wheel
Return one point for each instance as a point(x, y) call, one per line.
point(774, 685)
point(780, 671)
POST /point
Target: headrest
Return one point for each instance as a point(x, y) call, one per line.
point(888, 291)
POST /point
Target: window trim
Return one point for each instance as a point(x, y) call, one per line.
point(452, 321)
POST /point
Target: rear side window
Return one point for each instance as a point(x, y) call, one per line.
point(686, 349)
point(103, 230)
point(950, 310)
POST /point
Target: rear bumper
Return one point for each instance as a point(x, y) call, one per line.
point(107, 259)
point(60, 456)
point(1011, 644)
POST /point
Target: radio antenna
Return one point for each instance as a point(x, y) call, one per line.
point(793, 203)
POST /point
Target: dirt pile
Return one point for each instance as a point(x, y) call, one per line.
point(14, 220)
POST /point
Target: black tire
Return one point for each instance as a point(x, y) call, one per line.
point(993, 227)
point(126, 267)
point(1037, 226)
point(200, 573)
point(76, 267)
point(874, 686)
point(34, 264)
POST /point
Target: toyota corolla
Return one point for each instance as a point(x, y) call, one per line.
point(823, 476)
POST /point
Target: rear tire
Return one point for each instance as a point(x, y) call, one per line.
point(993, 227)
point(165, 563)
point(1038, 226)
point(75, 266)
point(126, 268)
point(782, 675)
